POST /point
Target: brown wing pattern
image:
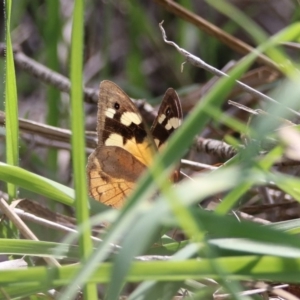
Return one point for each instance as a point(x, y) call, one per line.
point(168, 119)
point(124, 147)
point(120, 124)
point(112, 173)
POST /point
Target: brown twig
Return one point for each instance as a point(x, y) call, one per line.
point(22, 227)
point(196, 166)
point(61, 82)
point(258, 289)
point(49, 132)
point(46, 75)
point(199, 63)
point(39, 214)
point(36, 213)
point(250, 218)
point(13, 264)
point(214, 147)
point(232, 42)
point(225, 151)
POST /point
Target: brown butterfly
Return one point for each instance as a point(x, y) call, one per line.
point(125, 146)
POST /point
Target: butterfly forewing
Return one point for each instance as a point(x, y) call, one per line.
point(120, 124)
point(168, 119)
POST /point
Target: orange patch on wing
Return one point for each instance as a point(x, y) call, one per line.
point(112, 194)
point(144, 152)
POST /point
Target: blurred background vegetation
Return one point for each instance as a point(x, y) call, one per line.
point(123, 43)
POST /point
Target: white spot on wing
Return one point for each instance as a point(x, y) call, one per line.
point(161, 118)
point(110, 112)
point(156, 141)
point(130, 117)
point(173, 123)
point(114, 139)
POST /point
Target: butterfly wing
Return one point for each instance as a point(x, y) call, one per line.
point(120, 124)
point(168, 119)
point(124, 147)
point(112, 174)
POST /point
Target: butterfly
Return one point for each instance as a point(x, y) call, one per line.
point(125, 146)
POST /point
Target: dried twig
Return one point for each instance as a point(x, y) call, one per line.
point(229, 40)
point(50, 224)
point(38, 214)
point(282, 294)
point(47, 75)
point(61, 82)
point(199, 63)
point(49, 132)
point(215, 147)
point(22, 227)
point(243, 107)
point(258, 289)
point(225, 151)
point(196, 165)
point(251, 218)
point(258, 77)
point(13, 264)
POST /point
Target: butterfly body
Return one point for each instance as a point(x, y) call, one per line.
point(125, 146)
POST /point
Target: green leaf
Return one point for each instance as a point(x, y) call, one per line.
point(38, 248)
point(36, 184)
point(11, 105)
point(78, 143)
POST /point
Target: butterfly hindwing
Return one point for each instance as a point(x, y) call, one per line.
point(112, 173)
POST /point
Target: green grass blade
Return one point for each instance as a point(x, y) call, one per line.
point(22, 291)
point(178, 143)
point(241, 268)
point(78, 141)
point(37, 184)
point(11, 104)
point(37, 248)
point(290, 33)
